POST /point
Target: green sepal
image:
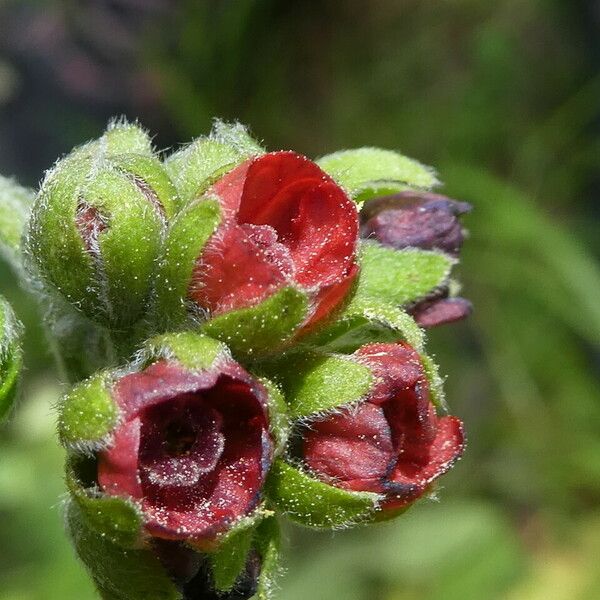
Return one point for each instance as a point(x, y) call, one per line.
point(436, 382)
point(11, 357)
point(368, 173)
point(88, 414)
point(194, 351)
point(148, 173)
point(15, 204)
point(130, 246)
point(267, 541)
point(197, 166)
point(315, 382)
point(228, 562)
point(263, 328)
point(119, 573)
point(316, 504)
point(364, 321)
point(186, 237)
point(120, 520)
point(120, 137)
point(279, 418)
point(401, 277)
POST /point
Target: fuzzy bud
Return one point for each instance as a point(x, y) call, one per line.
point(98, 224)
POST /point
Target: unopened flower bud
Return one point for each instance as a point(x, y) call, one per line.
point(98, 224)
point(415, 220)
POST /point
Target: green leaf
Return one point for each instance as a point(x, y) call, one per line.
point(15, 203)
point(197, 166)
point(119, 573)
point(368, 173)
point(11, 358)
point(88, 414)
point(364, 321)
point(400, 277)
point(313, 503)
point(262, 328)
point(186, 237)
point(315, 382)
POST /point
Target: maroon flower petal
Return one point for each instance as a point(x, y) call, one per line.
point(352, 448)
point(117, 467)
point(413, 477)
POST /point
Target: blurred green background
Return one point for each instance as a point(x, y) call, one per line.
point(503, 98)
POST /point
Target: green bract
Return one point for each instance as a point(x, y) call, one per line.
point(98, 224)
point(367, 173)
point(11, 359)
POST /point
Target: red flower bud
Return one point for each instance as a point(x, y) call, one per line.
point(415, 220)
point(392, 443)
point(285, 223)
point(192, 448)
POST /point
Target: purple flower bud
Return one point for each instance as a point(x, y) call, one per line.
point(441, 310)
point(416, 220)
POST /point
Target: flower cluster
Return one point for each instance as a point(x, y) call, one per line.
point(245, 330)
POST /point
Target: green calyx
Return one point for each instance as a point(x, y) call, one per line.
point(368, 173)
point(316, 504)
point(197, 166)
point(98, 224)
point(11, 357)
point(401, 277)
point(264, 328)
point(88, 414)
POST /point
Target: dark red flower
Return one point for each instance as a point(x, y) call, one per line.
point(415, 220)
point(192, 447)
point(285, 223)
point(393, 443)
